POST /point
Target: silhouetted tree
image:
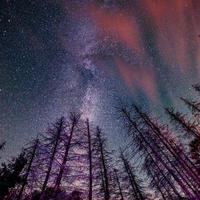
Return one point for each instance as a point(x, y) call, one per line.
point(162, 151)
point(119, 191)
point(138, 191)
point(102, 164)
point(182, 123)
point(194, 145)
point(194, 106)
point(90, 160)
point(51, 141)
point(10, 175)
point(191, 129)
point(73, 122)
point(30, 155)
point(195, 152)
point(196, 87)
point(2, 145)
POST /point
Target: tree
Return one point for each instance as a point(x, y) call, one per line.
point(195, 152)
point(182, 123)
point(90, 160)
point(137, 189)
point(74, 121)
point(196, 87)
point(2, 145)
point(162, 152)
point(194, 106)
point(119, 191)
point(102, 165)
point(30, 157)
point(10, 174)
point(191, 129)
point(69, 131)
point(52, 142)
point(194, 145)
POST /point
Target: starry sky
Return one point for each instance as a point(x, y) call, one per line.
point(58, 56)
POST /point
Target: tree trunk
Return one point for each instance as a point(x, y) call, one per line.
point(184, 176)
point(59, 130)
point(185, 190)
point(65, 158)
point(134, 184)
point(28, 169)
point(105, 173)
point(118, 184)
point(90, 160)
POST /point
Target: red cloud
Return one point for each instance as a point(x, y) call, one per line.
point(117, 24)
point(138, 77)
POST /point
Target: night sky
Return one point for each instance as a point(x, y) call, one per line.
point(58, 56)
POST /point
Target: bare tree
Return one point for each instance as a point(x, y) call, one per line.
point(191, 129)
point(137, 189)
point(73, 122)
point(182, 123)
point(196, 87)
point(157, 144)
point(90, 160)
point(102, 163)
point(118, 184)
point(30, 157)
point(194, 106)
point(52, 140)
point(2, 145)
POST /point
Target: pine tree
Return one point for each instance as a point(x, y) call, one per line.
point(194, 145)
point(182, 123)
point(51, 141)
point(102, 166)
point(194, 106)
point(73, 123)
point(196, 87)
point(30, 155)
point(76, 157)
point(191, 129)
point(162, 151)
point(135, 183)
point(119, 191)
point(2, 145)
point(195, 153)
point(90, 160)
point(10, 174)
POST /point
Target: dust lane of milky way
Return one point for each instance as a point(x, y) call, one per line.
point(57, 57)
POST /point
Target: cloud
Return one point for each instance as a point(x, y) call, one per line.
point(138, 77)
point(176, 31)
point(119, 25)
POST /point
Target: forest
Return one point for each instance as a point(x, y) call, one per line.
point(72, 159)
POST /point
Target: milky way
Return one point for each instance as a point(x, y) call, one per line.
point(63, 56)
